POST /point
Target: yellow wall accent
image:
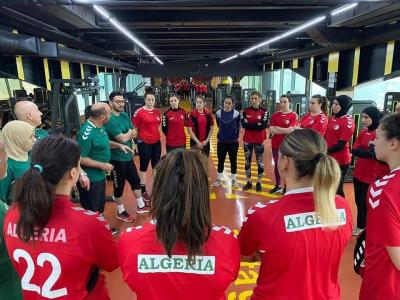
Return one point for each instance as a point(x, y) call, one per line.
point(282, 64)
point(310, 77)
point(333, 62)
point(82, 71)
point(295, 63)
point(20, 67)
point(97, 70)
point(356, 65)
point(65, 72)
point(105, 69)
point(46, 73)
point(272, 66)
point(389, 58)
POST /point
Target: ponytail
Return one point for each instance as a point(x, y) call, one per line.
point(34, 200)
point(308, 151)
point(324, 103)
point(52, 158)
point(326, 181)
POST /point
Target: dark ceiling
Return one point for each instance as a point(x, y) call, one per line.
point(178, 31)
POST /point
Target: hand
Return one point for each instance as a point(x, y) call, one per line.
point(107, 167)
point(205, 143)
point(199, 145)
point(125, 148)
point(84, 181)
point(3, 153)
point(134, 133)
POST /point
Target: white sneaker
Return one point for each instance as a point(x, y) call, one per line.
point(235, 185)
point(217, 183)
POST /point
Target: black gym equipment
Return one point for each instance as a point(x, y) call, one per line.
point(391, 100)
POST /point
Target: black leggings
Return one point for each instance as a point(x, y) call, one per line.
point(124, 170)
point(205, 150)
point(232, 150)
point(360, 194)
point(149, 152)
point(343, 171)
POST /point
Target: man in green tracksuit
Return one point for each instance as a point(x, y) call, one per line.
point(95, 156)
point(28, 111)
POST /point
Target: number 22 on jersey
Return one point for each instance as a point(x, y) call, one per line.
point(46, 290)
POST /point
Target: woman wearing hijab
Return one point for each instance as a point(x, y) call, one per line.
point(367, 168)
point(338, 134)
point(19, 137)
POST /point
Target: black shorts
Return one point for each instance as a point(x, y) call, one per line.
point(124, 170)
point(94, 198)
point(148, 152)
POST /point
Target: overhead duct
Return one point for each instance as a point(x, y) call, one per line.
point(18, 44)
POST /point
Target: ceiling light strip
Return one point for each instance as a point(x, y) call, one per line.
point(343, 9)
point(125, 31)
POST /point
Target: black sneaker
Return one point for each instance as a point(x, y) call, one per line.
point(276, 190)
point(124, 216)
point(114, 231)
point(258, 187)
point(247, 186)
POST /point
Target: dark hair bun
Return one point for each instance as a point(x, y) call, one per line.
point(149, 90)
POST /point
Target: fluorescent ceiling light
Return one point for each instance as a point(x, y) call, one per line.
point(343, 8)
point(125, 31)
point(229, 58)
point(270, 41)
point(304, 26)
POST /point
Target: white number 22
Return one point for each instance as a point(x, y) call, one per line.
point(45, 290)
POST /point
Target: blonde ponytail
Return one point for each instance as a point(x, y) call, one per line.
point(325, 181)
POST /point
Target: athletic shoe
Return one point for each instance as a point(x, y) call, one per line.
point(235, 185)
point(146, 198)
point(143, 210)
point(247, 186)
point(276, 190)
point(124, 216)
point(357, 231)
point(114, 231)
point(217, 183)
point(258, 187)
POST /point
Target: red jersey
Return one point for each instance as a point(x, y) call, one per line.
point(299, 258)
point(283, 120)
point(340, 129)
point(200, 123)
point(318, 122)
point(381, 278)
point(60, 263)
point(367, 170)
point(254, 121)
point(147, 123)
point(173, 126)
point(153, 275)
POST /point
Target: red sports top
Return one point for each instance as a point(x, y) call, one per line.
point(340, 129)
point(173, 126)
point(254, 122)
point(367, 170)
point(283, 120)
point(318, 122)
point(381, 278)
point(59, 264)
point(202, 123)
point(299, 259)
point(147, 122)
point(152, 275)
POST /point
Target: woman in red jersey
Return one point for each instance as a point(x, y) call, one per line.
point(180, 255)
point(381, 279)
point(147, 120)
point(305, 232)
point(56, 248)
point(367, 168)
point(200, 126)
point(173, 125)
point(282, 123)
point(338, 134)
point(316, 118)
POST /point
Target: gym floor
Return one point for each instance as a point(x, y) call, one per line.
point(229, 207)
